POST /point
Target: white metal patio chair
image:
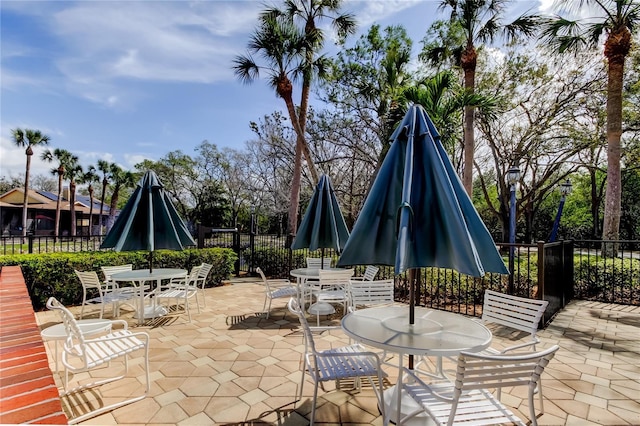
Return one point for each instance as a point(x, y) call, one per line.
point(276, 289)
point(108, 271)
point(84, 355)
point(517, 313)
point(468, 399)
point(179, 290)
point(352, 361)
point(319, 262)
point(370, 273)
point(369, 293)
point(330, 287)
point(94, 292)
point(201, 280)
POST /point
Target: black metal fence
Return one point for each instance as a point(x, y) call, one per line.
point(556, 272)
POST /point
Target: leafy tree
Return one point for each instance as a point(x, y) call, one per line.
point(543, 104)
point(367, 80)
point(615, 21)
point(7, 184)
point(121, 179)
point(480, 22)
point(42, 183)
point(65, 160)
point(27, 138)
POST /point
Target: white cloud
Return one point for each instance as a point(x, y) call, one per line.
point(13, 160)
point(132, 159)
point(371, 11)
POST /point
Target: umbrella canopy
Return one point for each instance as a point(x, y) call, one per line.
point(417, 213)
point(323, 225)
point(149, 221)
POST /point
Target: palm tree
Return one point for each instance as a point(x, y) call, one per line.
point(89, 177)
point(616, 20)
point(121, 179)
point(308, 13)
point(280, 44)
point(65, 159)
point(479, 21)
point(27, 138)
point(104, 167)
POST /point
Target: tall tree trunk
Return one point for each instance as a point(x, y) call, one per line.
point(297, 170)
point(595, 204)
point(615, 51)
point(469, 66)
point(90, 231)
point(302, 122)
point(58, 202)
point(104, 190)
point(29, 153)
point(72, 206)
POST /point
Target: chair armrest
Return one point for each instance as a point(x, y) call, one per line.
point(429, 388)
point(520, 346)
point(125, 325)
point(113, 337)
point(281, 283)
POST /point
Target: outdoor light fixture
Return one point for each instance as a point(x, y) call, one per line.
point(513, 175)
point(565, 189)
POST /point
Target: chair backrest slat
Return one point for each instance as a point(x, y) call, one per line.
point(370, 273)
point(371, 292)
point(512, 311)
point(477, 371)
point(334, 277)
point(319, 262)
point(108, 271)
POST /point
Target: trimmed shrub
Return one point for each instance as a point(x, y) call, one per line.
point(52, 274)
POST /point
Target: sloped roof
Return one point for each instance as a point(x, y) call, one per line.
point(47, 201)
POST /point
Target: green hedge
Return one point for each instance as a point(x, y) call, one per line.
point(607, 279)
point(52, 274)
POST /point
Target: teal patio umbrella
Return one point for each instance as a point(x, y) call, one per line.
point(149, 221)
point(323, 225)
point(418, 214)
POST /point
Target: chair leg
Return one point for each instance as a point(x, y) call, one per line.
point(314, 402)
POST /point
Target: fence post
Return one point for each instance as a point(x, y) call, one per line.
point(30, 238)
point(541, 264)
point(201, 231)
point(290, 250)
point(236, 248)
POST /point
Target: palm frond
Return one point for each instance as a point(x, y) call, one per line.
point(245, 68)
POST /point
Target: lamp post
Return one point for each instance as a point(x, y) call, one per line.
point(252, 236)
point(565, 189)
point(513, 175)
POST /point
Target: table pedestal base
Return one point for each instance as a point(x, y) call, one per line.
point(321, 308)
point(408, 406)
point(152, 312)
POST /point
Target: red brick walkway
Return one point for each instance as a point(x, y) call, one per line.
point(28, 393)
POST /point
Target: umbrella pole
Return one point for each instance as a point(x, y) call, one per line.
point(150, 262)
point(412, 304)
point(322, 258)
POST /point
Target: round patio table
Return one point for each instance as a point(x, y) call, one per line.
point(434, 333)
point(139, 277)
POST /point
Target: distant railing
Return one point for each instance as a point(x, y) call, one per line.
point(544, 270)
point(30, 244)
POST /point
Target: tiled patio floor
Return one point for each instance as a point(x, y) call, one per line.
point(230, 365)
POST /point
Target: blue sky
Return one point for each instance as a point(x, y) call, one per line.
point(129, 80)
